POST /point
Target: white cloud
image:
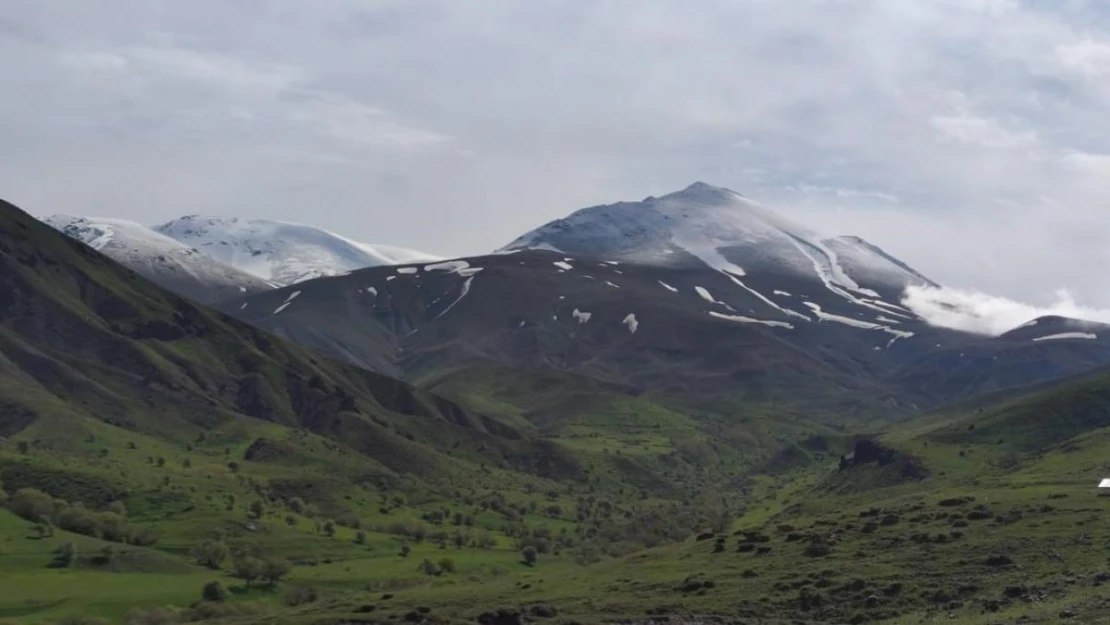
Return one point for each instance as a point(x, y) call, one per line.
point(980, 313)
point(984, 131)
point(968, 137)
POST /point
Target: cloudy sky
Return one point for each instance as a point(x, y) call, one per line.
point(971, 138)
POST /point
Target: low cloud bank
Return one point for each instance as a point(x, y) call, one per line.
point(981, 313)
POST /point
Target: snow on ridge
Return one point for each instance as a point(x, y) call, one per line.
point(632, 323)
point(450, 266)
point(785, 311)
point(782, 293)
point(1068, 335)
point(407, 271)
point(283, 252)
point(465, 292)
point(1028, 324)
point(582, 317)
point(287, 302)
point(562, 264)
point(742, 319)
point(668, 287)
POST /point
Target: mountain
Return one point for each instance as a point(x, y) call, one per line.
point(280, 252)
point(83, 338)
point(1056, 328)
point(697, 292)
point(162, 260)
point(719, 228)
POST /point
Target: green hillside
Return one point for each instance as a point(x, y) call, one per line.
point(152, 447)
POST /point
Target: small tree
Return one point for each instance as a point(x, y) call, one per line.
point(297, 505)
point(23, 447)
point(211, 553)
point(273, 570)
point(248, 569)
point(329, 528)
point(290, 520)
point(405, 550)
point(66, 555)
point(360, 537)
point(160, 462)
point(447, 565)
point(214, 591)
point(428, 567)
point(529, 555)
point(255, 510)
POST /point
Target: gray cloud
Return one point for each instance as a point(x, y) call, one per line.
point(966, 136)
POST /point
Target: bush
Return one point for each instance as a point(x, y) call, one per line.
point(31, 504)
point(529, 555)
point(255, 510)
point(427, 567)
point(211, 553)
point(214, 591)
point(447, 565)
point(248, 569)
point(405, 550)
point(273, 570)
point(297, 505)
point(66, 556)
point(329, 528)
point(300, 595)
point(360, 538)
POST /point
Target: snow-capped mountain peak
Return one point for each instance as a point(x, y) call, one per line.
point(282, 252)
point(725, 230)
point(160, 258)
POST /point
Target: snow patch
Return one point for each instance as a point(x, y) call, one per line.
point(612, 285)
point(1068, 335)
point(465, 291)
point(782, 293)
point(631, 322)
point(742, 319)
point(390, 278)
point(565, 266)
point(582, 317)
point(243, 306)
point(668, 287)
point(451, 266)
point(372, 291)
point(782, 310)
point(408, 271)
point(705, 295)
point(287, 302)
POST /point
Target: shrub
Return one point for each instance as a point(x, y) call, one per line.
point(447, 565)
point(329, 528)
point(66, 555)
point(427, 567)
point(211, 553)
point(214, 591)
point(529, 555)
point(297, 505)
point(360, 538)
point(273, 569)
point(248, 569)
point(31, 504)
point(290, 520)
point(300, 595)
point(405, 550)
point(255, 510)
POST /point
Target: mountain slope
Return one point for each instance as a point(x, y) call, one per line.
point(82, 338)
point(280, 252)
point(697, 292)
point(160, 259)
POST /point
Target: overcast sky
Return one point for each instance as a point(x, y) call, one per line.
point(971, 138)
